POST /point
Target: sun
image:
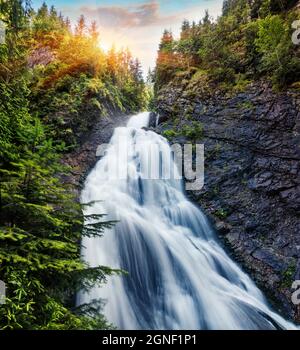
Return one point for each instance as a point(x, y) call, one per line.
point(104, 46)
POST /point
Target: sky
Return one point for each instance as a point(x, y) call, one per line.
point(136, 24)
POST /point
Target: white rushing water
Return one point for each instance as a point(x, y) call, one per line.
point(178, 275)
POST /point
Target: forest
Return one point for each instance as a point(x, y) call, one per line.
point(56, 81)
point(51, 75)
point(250, 40)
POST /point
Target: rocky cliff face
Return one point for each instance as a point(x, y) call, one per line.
point(84, 157)
point(252, 176)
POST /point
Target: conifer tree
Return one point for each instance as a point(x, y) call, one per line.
point(81, 26)
point(41, 222)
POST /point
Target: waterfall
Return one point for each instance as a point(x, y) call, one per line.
point(178, 277)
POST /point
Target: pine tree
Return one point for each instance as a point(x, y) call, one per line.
point(14, 14)
point(81, 26)
point(40, 227)
point(166, 41)
point(185, 29)
point(150, 77)
point(206, 19)
point(67, 24)
point(43, 11)
point(53, 13)
point(93, 32)
point(41, 222)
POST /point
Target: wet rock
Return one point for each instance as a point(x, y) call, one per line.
point(252, 177)
point(153, 120)
point(223, 227)
point(291, 196)
point(84, 157)
point(268, 257)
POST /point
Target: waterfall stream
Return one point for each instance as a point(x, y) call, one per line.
point(178, 277)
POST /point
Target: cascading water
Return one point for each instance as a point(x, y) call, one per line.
point(178, 275)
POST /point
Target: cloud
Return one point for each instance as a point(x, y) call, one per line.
point(140, 26)
point(131, 16)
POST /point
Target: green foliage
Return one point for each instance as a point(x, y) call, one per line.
point(193, 132)
point(45, 101)
point(241, 83)
point(40, 227)
point(250, 40)
point(64, 105)
point(246, 105)
point(275, 46)
point(271, 31)
point(289, 275)
point(221, 213)
point(170, 134)
point(72, 82)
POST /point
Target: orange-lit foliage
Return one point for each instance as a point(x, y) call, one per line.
point(249, 41)
point(170, 59)
point(73, 81)
point(77, 52)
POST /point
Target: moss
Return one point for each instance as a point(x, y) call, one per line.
point(246, 105)
point(216, 190)
point(188, 113)
point(96, 103)
point(199, 75)
point(241, 83)
point(176, 121)
point(221, 213)
point(296, 86)
point(244, 182)
point(288, 275)
point(192, 132)
point(176, 109)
